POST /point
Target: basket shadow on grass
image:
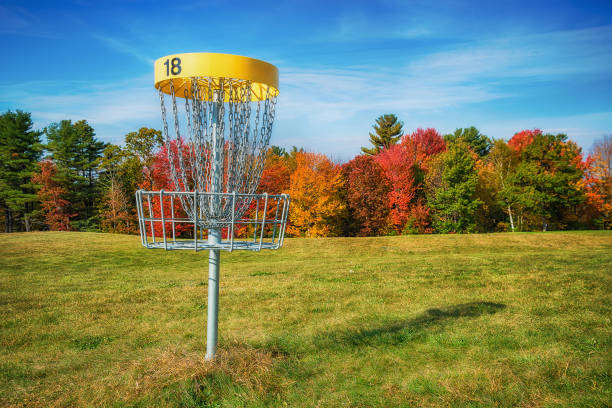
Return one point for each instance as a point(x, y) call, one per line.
point(397, 332)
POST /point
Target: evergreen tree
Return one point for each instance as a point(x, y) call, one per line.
point(20, 150)
point(479, 143)
point(76, 152)
point(452, 190)
point(388, 131)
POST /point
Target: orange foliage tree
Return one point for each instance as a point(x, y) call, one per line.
point(116, 216)
point(276, 175)
point(51, 195)
point(597, 183)
point(316, 186)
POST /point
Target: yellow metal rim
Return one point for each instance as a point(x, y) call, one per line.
point(179, 69)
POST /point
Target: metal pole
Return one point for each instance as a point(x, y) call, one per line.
point(214, 258)
point(214, 234)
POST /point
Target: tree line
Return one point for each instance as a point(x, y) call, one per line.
point(403, 183)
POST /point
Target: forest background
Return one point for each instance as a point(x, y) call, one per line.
point(64, 178)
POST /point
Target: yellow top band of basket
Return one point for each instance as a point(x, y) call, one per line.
point(181, 68)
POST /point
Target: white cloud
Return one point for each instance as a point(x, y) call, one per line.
point(111, 108)
point(332, 109)
point(120, 46)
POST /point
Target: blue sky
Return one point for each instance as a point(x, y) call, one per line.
point(501, 66)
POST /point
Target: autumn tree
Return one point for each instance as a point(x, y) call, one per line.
point(162, 180)
point(405, 166)
point(522, 139)
point(52, 196)
point(315, 190)
point(452, 184)
point(547, 179)
point(116, 212)
point(276, 175)
point(490, 215)
point(20, 150)
point(503, 162)
point(144, 145)
point(402, 173)
point(367, 191)
point(424, 144)
point(387, 132)
point(599, 183)
point(479, 143)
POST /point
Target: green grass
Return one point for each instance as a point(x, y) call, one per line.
point(496, 320)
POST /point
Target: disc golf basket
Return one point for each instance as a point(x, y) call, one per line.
point(221, 114)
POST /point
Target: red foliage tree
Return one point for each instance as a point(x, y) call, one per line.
point(419, 218)
point(423, 144)
point(51, 195)
point(405, 166)
point(367, 193)
point(399, 168)
point(276, 175)
point(522, 139)
point(160, 176)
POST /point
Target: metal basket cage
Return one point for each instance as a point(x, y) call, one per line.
point(260, 219)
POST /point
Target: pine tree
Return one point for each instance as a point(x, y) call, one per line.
point(20, 150)
point(388, 131)
point(76, 151)
point(479, 143)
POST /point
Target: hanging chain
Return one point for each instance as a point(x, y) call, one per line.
point(243, 130)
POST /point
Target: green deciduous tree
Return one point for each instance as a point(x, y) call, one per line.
point(145, 145)
point(451, 188)
point(503, 161)
point(20, 151)
point(546, 180)
point(387, 132)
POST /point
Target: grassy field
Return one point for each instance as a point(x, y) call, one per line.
point(497, 320)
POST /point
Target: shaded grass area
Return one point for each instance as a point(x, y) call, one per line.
point(495, 320)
